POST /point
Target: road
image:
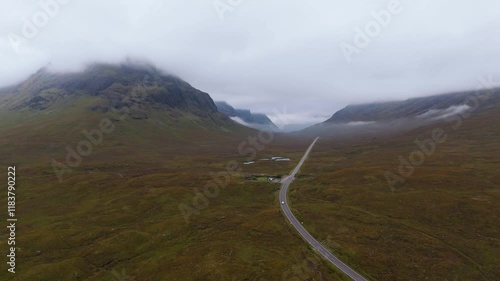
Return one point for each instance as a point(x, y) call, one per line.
point(298, 226)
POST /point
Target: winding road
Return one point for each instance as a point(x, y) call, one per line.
point(298, 226)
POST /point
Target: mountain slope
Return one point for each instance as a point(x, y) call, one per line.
point(410, 108)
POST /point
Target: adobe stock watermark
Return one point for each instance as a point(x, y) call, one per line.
point(427, 147)
point(305, 270)
point(95, 137)
point(372, 29)
point(222, 7)
point(48, 9)
point(220, 180)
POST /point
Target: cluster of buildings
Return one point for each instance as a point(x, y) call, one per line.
point(274, 158)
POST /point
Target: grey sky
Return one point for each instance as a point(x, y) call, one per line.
point(268, 55)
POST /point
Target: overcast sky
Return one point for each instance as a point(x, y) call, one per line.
point(282, 56)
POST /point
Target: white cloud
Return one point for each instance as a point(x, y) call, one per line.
point(240, 121)
point(359, 123)
point(434, 114)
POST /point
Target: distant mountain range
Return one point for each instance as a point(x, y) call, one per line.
point(246, 117)
point(146, 93)
point(411, 108)
point(399, 116)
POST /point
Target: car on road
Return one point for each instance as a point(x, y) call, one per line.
point(282, 202)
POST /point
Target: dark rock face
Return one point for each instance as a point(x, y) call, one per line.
point(123, 85)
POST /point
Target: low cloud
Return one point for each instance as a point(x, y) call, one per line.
point(359, 123)
point(240, 121)
point(435, 114)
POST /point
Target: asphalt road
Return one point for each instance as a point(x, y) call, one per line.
point(298, 226)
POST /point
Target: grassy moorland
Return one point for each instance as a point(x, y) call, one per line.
point(116, 215)
point(442, 223)
point(132, 209)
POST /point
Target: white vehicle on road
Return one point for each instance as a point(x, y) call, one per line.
point(282, 202)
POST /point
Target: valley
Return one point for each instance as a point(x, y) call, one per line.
point(166, 140)
point(151, 183)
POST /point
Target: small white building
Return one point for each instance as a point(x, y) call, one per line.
point(283, 159)
point(248, 163)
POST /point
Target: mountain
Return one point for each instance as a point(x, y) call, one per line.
point(246, 117)
point(386, 118)
point(147, 107)
point(125, 86)
point(411, 108)
point(141, 91)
